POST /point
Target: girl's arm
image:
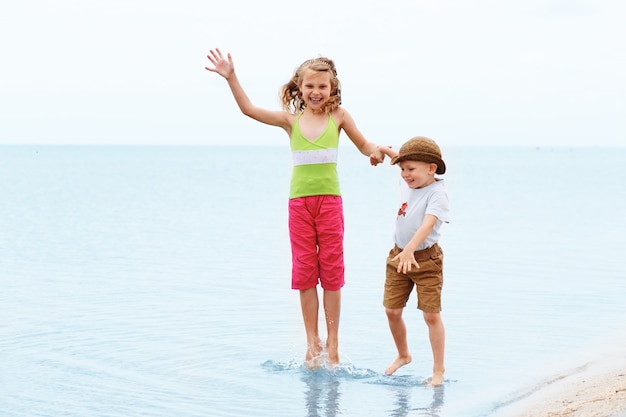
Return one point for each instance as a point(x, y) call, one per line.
point(226, 69)
point(346, 122)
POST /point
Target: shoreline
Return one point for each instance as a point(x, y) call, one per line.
point(595, 389)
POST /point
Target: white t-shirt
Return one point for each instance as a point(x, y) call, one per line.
point(415, 203)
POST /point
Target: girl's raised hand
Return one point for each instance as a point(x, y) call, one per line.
point(223, 67)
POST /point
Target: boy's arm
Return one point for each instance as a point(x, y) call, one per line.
point(406, 258)
point(226, 69)
point(378, 154)
point(391, 153)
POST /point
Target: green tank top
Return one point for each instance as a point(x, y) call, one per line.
point(314, 162)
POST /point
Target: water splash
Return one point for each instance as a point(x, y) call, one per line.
point(345, 369)
point(279, 366)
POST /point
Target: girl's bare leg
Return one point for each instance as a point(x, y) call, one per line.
point(332, 309)
point(437, 336)
point(310, 310)
point(398, 331)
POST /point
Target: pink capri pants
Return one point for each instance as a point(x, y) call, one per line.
point(316, 231)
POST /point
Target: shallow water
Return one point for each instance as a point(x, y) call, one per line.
point(154, 281)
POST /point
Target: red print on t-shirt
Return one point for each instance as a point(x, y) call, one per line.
point(402, 210)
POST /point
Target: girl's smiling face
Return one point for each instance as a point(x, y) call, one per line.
point(315, 89)
point(417, 174)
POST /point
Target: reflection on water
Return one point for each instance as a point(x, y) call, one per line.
point(403, 401)
point(321, 397)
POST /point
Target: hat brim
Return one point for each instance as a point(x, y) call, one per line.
point(421, 157)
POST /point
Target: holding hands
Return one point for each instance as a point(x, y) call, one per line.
point(380, 152)
point(221, 66)
point(377, 156)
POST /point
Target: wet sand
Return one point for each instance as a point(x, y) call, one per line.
point(594, 389)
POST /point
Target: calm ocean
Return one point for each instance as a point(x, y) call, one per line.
point(155, 282)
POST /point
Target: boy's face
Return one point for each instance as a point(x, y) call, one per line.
point(315, 89)
point(417, 174)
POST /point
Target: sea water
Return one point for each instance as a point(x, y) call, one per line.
point(155, 281)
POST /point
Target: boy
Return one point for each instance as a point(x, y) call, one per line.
point(416, 260)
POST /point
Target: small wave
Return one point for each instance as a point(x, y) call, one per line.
point(526, 392)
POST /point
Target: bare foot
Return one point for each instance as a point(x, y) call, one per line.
point(313, 363)
point(435, 380)
point(399, 362)
point(333, 356)
point(313, 358)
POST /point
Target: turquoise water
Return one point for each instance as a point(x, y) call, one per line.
point(155, 281)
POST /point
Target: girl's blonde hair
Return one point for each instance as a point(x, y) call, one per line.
point(291, 96)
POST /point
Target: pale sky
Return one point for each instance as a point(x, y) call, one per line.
point(529, 73)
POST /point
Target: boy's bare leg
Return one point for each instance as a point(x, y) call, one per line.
point(310, 310)
point(398, 331)
point(332, 309)
point(437, 336)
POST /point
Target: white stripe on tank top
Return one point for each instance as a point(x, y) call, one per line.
point(321, 156)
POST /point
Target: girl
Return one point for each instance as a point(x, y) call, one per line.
point(313, 119)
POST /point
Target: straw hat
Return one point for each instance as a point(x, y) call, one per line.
point(422, 149)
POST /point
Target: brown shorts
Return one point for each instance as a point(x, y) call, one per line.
point(428, 279)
